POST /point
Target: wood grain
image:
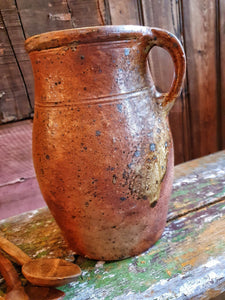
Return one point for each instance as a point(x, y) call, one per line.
point(50, 272)
point(42, 16)
point(87, 13)
point(13, 97)
point(15, 290)
point(14, 287)
point(222, 73)
point(198, 185)
point(124, 14)
point(200, 36)
point(15, 252)
point(9, 273)
point(16, 35)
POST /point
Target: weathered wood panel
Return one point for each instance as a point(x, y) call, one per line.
point(221, 16)
point(13, 97)
point(197, 184)
point(127, 13)
point(200, 36)
point(166, 14)
point(16, 35)
point(87, 13)
point(41, 16)
point(37, 17)
point(184, 263)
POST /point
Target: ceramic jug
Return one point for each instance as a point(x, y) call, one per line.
point(102, 146)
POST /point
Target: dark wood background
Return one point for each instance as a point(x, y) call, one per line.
point(198, 117)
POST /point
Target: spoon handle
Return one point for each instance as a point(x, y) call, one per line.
point(9, 273)
point(16, 253)
point(14, 287)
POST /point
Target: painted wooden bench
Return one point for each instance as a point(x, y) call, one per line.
point(188, 262)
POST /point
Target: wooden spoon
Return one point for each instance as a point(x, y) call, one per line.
point(15, 291)
point(47, 272)
point(14, 287)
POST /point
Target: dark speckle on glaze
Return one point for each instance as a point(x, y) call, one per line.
point(123, 198)
point(153, 204)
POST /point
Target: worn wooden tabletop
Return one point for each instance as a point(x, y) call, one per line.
point(188, 262)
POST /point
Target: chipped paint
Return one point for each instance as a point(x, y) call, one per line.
point(159, 270)
point(186, 263)
point(195, 187)
point(181, 287)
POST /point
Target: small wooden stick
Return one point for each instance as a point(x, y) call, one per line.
point(15, 252)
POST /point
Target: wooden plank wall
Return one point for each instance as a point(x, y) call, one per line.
point(198, 117)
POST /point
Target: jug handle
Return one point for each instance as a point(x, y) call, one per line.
point(168, 41)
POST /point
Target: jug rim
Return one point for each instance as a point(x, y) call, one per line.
point(84, 35)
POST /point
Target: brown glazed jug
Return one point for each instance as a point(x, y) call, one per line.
point(102, 147)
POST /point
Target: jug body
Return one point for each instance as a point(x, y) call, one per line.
point(102, 146)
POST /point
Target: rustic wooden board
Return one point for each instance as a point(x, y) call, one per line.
point(42, 16)
point(127, 13)
point(197, 184)
point(16, 35)
point(221, 118)
point(166, 15)
point(185, 262)
point(87, 12)
point(13, 97)
point(200, 36)
point(188, 262)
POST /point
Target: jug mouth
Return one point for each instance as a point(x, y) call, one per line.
point(85, 35)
